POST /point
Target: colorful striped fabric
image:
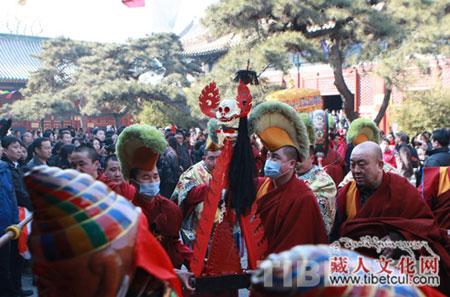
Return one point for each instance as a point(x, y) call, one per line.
point(74, 214)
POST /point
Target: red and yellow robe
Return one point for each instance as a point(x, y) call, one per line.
point(395, 206)
point(289, 214)
point(435, 190)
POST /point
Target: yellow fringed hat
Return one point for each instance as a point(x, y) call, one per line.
point(277, 125)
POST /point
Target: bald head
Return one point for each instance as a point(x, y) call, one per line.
point(370, 148)
point(366, 164)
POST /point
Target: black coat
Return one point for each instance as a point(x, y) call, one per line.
point(169, 171)
point(438, 158)
point(23, 199)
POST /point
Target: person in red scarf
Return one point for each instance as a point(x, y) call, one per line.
point(113, 178)
point(138, 148)
point(385, 205)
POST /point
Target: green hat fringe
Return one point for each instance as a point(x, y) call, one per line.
point(309, 127)
point(136, 136)
point(371, 130)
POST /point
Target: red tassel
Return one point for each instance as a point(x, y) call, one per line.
point(218, 182)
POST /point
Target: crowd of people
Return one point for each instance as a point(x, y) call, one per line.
point(178, 183)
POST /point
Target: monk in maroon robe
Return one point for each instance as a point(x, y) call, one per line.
point(387, 206)
point(285, 213)
point(435, 190)
point(163, 215)
point(334, 166)
point(289, 214)
point(113, 178)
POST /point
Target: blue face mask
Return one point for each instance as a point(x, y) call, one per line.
point(272, 169)
point(149, 189)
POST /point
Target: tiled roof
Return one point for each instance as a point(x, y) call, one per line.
point(208, 46)
point(197, 41)
point(18, 56)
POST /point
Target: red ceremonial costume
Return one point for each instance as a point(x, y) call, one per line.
point(326, 154)
point(395, 206)
point(164, 220)
point(254, 216)
point(138, 148)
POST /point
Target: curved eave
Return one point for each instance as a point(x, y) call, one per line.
point(193, 54)
point(8, 80)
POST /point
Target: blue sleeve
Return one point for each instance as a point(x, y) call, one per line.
point(9, 213)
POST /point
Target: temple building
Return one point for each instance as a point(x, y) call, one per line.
point(366, 86)
point(18, 59)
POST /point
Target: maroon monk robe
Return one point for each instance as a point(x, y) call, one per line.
point(290, 216)
point(435, 190)
point(164, 219)
point(334, 166)
point(394, 207)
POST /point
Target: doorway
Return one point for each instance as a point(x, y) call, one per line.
point(332, 102)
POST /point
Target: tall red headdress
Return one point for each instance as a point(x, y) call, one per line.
point(233, 182)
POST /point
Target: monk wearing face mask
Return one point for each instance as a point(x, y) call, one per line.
point(138, 148)
point(287, 208)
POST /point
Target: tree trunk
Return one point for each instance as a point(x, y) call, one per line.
point(341, 85)
point(384, 105)
point(41, 124)
point(117, 118)
point(83, 122)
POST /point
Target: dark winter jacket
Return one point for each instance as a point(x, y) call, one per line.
point(438, 157)
point(23, 199)
point(8, 204)
point(169, 171)
point(184, 157)
point(33, 163)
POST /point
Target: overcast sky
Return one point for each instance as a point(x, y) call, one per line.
point(97, 20)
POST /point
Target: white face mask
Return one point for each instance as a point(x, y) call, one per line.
point(149, 189)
